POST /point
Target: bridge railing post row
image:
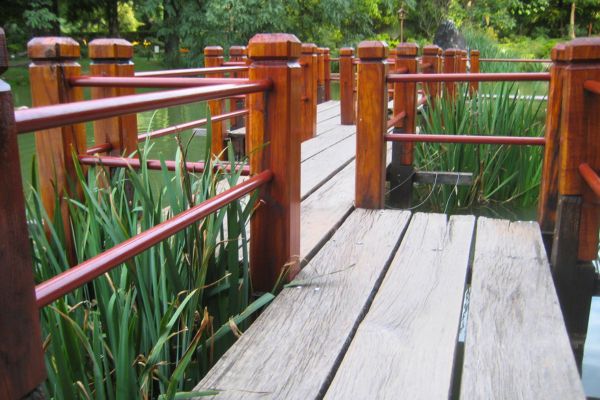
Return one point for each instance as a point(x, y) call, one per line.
point(112, 57)
point(450, 67)
point(405, 100)
point(320, 75)
point(431, 55)
point(391, 61)
point(237, 53)
point(274, 136)
point(474, 69)
point(371, 125)
point(308, 112)
point(213, 57)
point(22, 367)
point(347, 86)
point(53, 62)
point(578, 212)
point(327, 72)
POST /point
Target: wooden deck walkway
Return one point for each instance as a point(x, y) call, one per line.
point(376, 312)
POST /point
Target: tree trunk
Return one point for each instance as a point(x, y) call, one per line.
point(112, 17)
point(171, 38)
point(572, 21)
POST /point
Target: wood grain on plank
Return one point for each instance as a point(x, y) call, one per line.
point(292, 348)
point(516, 344)
point(319, 169)
point(404, 348)
point(322, 142)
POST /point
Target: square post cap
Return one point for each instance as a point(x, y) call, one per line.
point(110, 49)
point(213, 51)
point(407, 50)
point(309, 48)
point(578, 50)
point(236, 51)
point(372, 50)
point(346, 52)
point(431, 50)
point(274, 46)
point(53, 48)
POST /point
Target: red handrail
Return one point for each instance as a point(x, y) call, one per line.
point(100, 148)
point(592, 86)
point(471, 77)
point(469, 139)
point(514, 60)
point(122, 162)
point(192, 71)
point(151, 82)
point(590, 177)
point(192, 124)
point(67, 281)
point(71, 113)
point(395, 119)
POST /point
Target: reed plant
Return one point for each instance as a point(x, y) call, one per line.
point(502, 174)
point(151, 327)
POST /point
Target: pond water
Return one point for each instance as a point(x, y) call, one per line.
point(166, 146)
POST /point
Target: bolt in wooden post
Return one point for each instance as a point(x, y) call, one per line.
point(321, 75)
point(327, 68)
point(450, 68)
point(237, 53)
point(274, 127)
point(578, 214)
point(21, 355)
point(112, 57)
point(431, 56)
point(53, 62)
point(347, 95)
point(371, 125)
point(474, 69)
point(405, 100)
point(308, 112)
point(213, 57)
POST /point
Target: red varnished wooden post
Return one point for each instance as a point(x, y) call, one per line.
point(321, 75)
point(237, 53)
point(432, 58)
point(112, 57)
point(53, 62)
point(21, 355)
point(275, 226)
point(213, 57)
point(449, 68)
point(548, 201)
point(371, 124)
point(347, 85)
point(474, 69)
point(327, 68)
point(308, 112)
point(405, 100)
point(578, 211)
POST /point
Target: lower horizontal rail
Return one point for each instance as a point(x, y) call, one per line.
point(101, 148)
point(122, 162)
point(189, 125)
point(192, 71)
point(65, 282)
point(151, 82)
point(471, 77)
point(395, 119)
point(468, 139)
point(592, 86)
point(590, 177)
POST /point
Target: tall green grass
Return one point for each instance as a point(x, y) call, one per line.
point(152, 327)
point(502, 174)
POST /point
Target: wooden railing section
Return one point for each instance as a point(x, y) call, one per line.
point(569, 207)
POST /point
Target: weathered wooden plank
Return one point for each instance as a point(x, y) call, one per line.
point(404, 348)
point(324, 210)
point(292, 348)
point(516, 344)
point(320, 143)
point(319, 169)
point(329, 113)
point(327, 105)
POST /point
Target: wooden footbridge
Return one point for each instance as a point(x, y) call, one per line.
point(380, 302)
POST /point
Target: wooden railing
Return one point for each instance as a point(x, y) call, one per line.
point(273, 129)
point(569, 210)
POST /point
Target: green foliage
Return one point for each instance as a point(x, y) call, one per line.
point(153, 326)
point(502, 174)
